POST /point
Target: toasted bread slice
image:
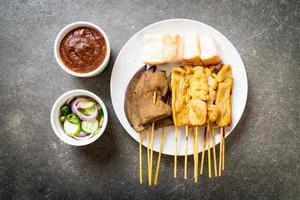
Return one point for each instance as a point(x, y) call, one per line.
point(209, 50)
point(173, 48)
point(191, 49)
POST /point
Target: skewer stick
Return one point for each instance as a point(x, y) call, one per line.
point(154, 97)
point(148, 155)
point(141, 161)
point(194, 150)
point(214, 152)
point(223, 153)
point(203, 153)
point(152, 142)
point(151, 155)
point(162, 138)
point(220, 155)
point(196, 155)
point(186, 150)
point(175, 157)
point(208, 149)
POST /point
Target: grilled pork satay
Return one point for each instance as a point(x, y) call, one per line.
point(179, 85)
point(198, 93)
point(223, 100)
point(212, 112)
point(189, 93)
point(179, 113)
point(223, 103)
point(180, 99)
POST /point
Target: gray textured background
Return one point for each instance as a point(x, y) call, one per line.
point(262, 155)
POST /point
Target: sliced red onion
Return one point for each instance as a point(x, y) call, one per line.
point(83, 137)
point(82, 134)
point(76, 104)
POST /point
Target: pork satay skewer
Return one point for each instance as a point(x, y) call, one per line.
point(139, 108)
point(141, 160)
point(186, 150)
point(214, 151)
point(162, 139)
point(212, 113)
point(223, 102)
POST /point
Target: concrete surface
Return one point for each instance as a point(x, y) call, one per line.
point(262, 155)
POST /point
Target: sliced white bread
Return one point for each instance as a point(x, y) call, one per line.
point(173, 48)
point(209, 50)
point(161, 49)
point(153, 49)
point(191, 48)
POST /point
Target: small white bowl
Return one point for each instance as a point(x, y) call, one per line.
point(57, 126)
point(61, 36)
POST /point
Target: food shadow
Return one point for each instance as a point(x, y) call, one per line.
point(103, 150)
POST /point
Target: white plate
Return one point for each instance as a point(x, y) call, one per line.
point(129, 61)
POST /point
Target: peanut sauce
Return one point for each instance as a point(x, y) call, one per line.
point(83, 49)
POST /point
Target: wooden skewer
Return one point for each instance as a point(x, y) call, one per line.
point(162, 138)
point(148, 155)
point(152, 142)
point(203, 153)
point(208, 149)
point(175, 157)
point(151, 153)
point(141, 161)
point(220, 155)
point(214, 152)
point(223, 153)
point(194, 149)
point(186, 150)
point(154, 97)
point(193, 141)
point(196, 155)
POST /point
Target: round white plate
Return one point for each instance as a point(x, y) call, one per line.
point(129, 61)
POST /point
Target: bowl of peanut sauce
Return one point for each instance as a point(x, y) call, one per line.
point(82, 49)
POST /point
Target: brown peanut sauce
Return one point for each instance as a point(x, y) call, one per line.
point(83, 49)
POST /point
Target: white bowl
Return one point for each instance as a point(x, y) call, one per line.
point(57, 126)
point(61, 36)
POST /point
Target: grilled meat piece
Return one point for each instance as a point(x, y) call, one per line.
point(140, 109)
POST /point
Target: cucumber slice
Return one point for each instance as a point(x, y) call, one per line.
point(97, 131)
point(73, 119)
point(101, 113)
point(72, 129)
point(66, 110)
point(90, 126)
point(62, 119)
point(101, 121)
point(88, 111)
point(87, 104)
